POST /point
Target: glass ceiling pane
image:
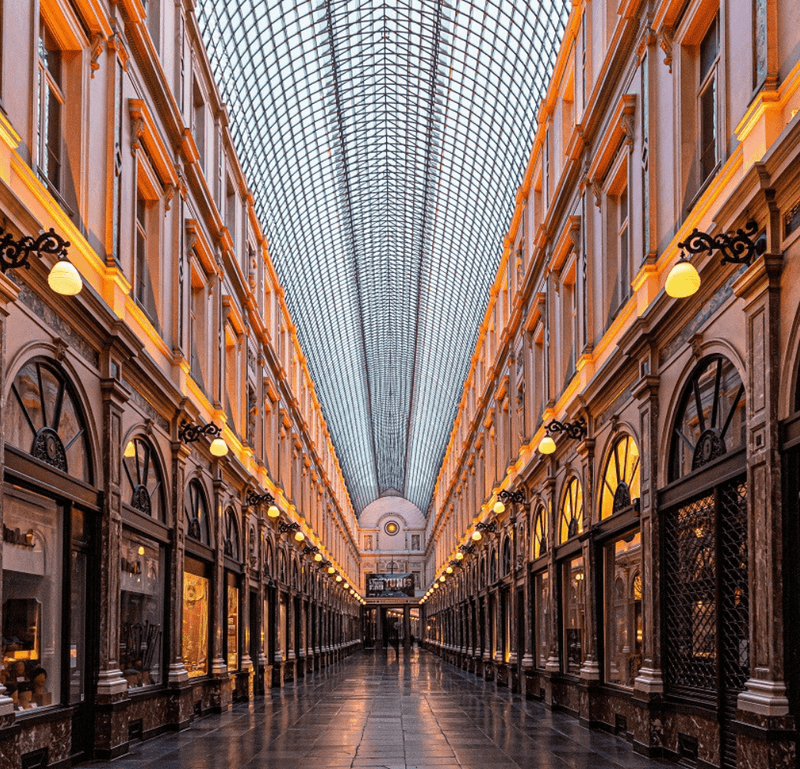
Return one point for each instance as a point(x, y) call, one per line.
point(384, 142)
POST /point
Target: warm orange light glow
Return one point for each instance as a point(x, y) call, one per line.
point(477, 536)
point(449, 570)
point(499, 507)
point(318, 557)
point(130, 450)
point(65, 279)
point(218, 447)
point(683, 279)
point(299, 536)
point(273, 512)
point(459, 556)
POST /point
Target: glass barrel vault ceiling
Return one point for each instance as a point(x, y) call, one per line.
point(384, 142)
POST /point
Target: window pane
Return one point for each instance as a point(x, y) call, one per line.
point(708, 50)
point(623, 609)
point(195, 624)
point(542, 617)
point(141, 610)
point(708, 129)
point(233, 626)
point(573, 602)
point(32, 609)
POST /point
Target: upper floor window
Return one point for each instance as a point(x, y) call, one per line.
point(708, 61)
point(618, 267)
point(49, 143)
point(231, 541)
point(153, 11)
point(199, 120)
point(146, 278)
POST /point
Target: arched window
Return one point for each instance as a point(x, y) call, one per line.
point(710, 420)
point(493, 567)
point(621, 478)
point(251, 546)
point(145, 483)
point(282, 567)
point(506, 556)
point(231, 535)
point(196, 511)
point(268, 558)
point(45, 419)
point(571, 511)
point(540, 532)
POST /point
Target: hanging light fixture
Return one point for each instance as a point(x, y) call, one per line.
point(459, 556)
point(477, 536)
point(737, 248)
point(331, 570)
point(575, 430)
point(499, 507)
point(299, 536)
point(190, 433)
point(63, 277)
point(683, 279)
point(449, 569)
point(130, 450)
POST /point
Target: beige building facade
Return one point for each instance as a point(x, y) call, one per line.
point(641, 576)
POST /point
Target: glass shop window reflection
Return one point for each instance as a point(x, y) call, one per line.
point(623, 609)
point(574, 577)
point(196, 587)
point(141, 610)
point(32, 608)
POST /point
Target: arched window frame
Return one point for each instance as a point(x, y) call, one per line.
point(48, 443)
point(621, 479)
point(143, 471)
point(570, 510)
point(196, 513)
point(539, 535)
point(711, 444)
point(506, 565)
point(231, 541)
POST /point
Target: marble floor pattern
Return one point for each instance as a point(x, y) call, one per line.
point(375, 712)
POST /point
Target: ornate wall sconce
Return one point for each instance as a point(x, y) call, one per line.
point(512, 497)
point(737, 248)
point(575, 430)
point(267, 499)
point(292, 526)
point(190, 433)
point(64, 278)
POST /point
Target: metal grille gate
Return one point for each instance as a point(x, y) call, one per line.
point(706, 612)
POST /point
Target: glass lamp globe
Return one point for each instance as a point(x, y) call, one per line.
point(499, 507)
point(299, 536)
point(331, 570)
point(130, 450)
point(683, 279)
point(449, 570)
point(547, 445)
point(273, 512)
point(346, 585)
point(218, 447)
point(318, 557)
point(338, 577)
point(64, 278)
point(442, 578)
point(459, 556)
point(477, 536)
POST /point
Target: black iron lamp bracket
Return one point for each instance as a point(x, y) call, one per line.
point(325, 564)
point(736, 247)
point(256, 499)
point(190, 433)
point(575, 429)
point(17, 253)
point(489, 528)
point(467, 548)
point(310, 549)
point(455, 563)
point(513, 497)
point(284, 527)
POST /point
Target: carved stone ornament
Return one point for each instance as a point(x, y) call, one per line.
point(710, 446)
point(48, 448)
point(665, 42)
point(137, 133)
point(622, 498)
point(96, 48)
point(140, 500)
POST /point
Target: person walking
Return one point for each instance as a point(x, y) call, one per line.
point(394, 638)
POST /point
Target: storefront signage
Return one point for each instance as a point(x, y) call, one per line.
point(390, 585)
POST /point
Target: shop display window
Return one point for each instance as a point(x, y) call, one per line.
point(542, 635)
point(196, 612)
point(141, 610)
point(623, 609)
point(32, 599)
point(574, 582)
point(233, 623)
point(282, 629)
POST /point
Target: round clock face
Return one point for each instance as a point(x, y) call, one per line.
point(391, 528)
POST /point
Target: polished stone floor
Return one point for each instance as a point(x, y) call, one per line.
point(375, 712)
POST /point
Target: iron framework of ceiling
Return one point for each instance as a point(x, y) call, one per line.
point(383, 142)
